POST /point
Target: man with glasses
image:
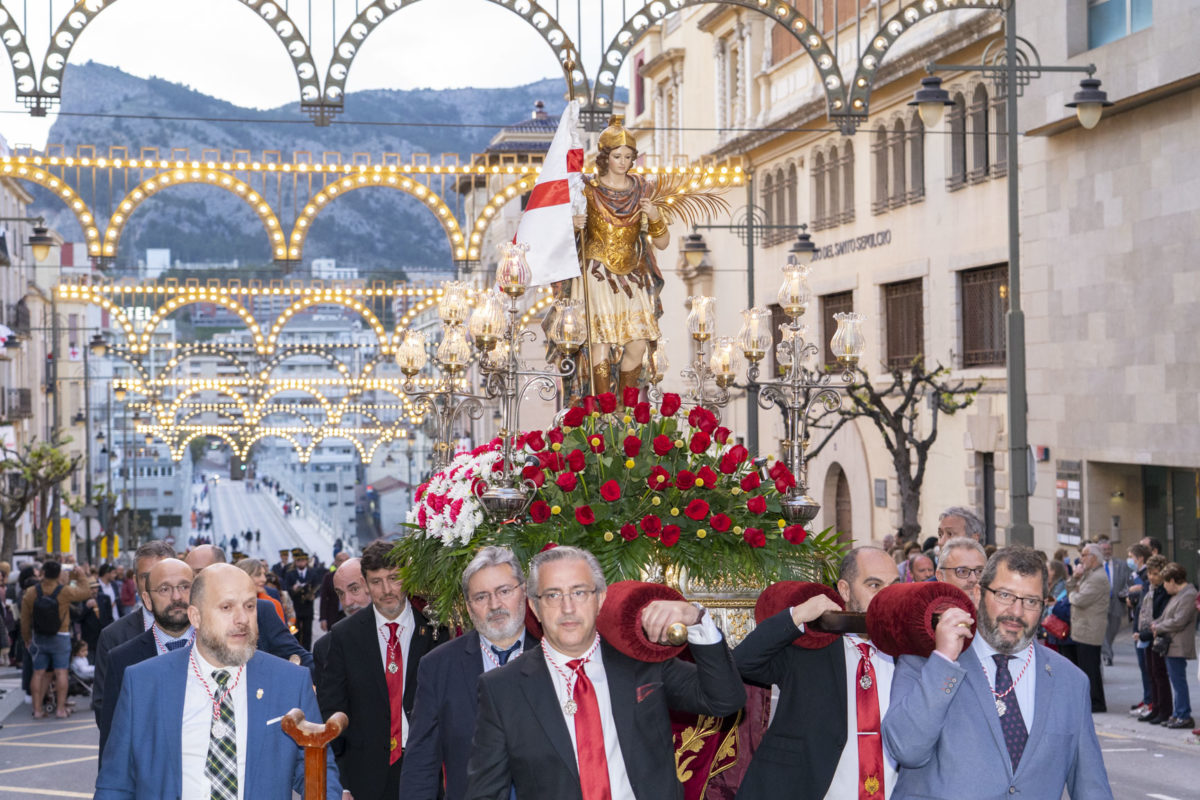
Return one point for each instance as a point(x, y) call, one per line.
point(168, 591)
point(997, 714)
point(371, 676)
point(574, 718)
point(961, 564)
point(443, 718)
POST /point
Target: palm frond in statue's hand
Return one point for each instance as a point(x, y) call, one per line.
point(689, 197)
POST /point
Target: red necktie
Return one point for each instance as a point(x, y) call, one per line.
point(589, 737)
point(870, 742)
point(394, 672)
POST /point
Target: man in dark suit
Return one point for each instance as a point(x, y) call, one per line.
point(809, 752)
point(1001, 716)
point(170, 585)
point(130, 625)
point(302, 583)
point(273, 636)
point(203, 721)
point(443, 718)
point(350, 589)
point(284, 564)
point(331, 608)
point(574, 718)
point(1117, 572)
point(371, 675)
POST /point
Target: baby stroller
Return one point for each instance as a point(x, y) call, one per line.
point(77, 686)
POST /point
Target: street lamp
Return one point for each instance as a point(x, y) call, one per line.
point(1010, 70)
point(40, 241)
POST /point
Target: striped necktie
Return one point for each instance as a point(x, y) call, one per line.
point(221, 765)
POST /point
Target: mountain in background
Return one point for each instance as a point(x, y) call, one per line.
point(372, 229)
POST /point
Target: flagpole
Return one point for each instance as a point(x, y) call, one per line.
point(581, 251)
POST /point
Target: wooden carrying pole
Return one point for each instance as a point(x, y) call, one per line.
point(314, 739)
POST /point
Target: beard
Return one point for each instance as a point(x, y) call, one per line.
point(1003, 641)
point(172, 618)
point(228, 655)
point(499, 625)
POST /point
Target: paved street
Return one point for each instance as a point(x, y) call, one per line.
point(236, 510)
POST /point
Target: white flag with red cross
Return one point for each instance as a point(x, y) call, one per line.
point(546, 226)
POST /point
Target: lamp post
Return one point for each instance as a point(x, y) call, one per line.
point(1010, 71)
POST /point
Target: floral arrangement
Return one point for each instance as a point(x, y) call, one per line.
point(646, 488)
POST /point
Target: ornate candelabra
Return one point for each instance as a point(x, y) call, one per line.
point(498, 335)
point(799, 389)
point(707, 380)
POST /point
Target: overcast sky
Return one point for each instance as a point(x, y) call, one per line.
point(217, 47)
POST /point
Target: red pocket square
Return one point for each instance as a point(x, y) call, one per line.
point(646, 689)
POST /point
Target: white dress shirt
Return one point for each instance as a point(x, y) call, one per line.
point(162, 638)
point(490, 661)
point(845, 777)
point(405, 634)
point(1024, 688)
point(197, 727)
point(111, 592)
point(704, 632)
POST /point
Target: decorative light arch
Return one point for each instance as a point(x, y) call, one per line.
point(325, 354)
point(323, 435)
point(194, 175)
point(259, 407)
point(187, 351)
point(24, 73)
point(204, 295)
point(169, 417)
point(274, 433)
point(385, 178)
point(178, 450)
point(327, 297)
point(498, 201)
point(83, 214)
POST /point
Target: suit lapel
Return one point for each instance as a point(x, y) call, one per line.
point(367, 646)
point(539, 691)
point(621, 674)
point(838, 654)
point(1043, 694)
point(256, 719)
point(418, 646)
point(978, 682)
point(176, 688)
point(471, 665)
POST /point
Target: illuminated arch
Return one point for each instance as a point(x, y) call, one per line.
point(323, 435)
point(24, 74)
point(413, 311)
point(187, 351)
point(387, 178)
point(371, 17)
point(85, 11)
point(201, 295)
point(274, 433)
point(176, 404)
point(327, 297)
point(259, 407)
point(19, 169)
point(782, 12)
point(188, 416)
point(323, 353)
point(500, 199)
point(194, 174)
point(178, 451)
point(892, 29)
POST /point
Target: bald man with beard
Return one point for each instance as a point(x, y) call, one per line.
point(273, 636)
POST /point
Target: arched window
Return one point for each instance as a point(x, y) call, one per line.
point(768, 197)
point(781, 216)
point(916, 157)
point(835, 205)
point(848, 182)
point(980, 141)
point(1000, 160)
point(879, 149)
point(793, 212)
point(818, 178)
point(899, 182)
point(958, 143)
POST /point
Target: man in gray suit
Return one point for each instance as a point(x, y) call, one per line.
point(1117, 572)
point(1001, 715)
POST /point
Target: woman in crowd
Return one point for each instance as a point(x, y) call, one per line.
point(1178, 621)
point(1133, 593)
point(257, 571)
point(1153, 605)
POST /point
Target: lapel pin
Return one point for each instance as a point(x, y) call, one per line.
point(422, 630)
point(258, 694)
point(1048, 670)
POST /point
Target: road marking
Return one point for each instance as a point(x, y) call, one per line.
point(22, 790)
point(44, 744)
point(49, 764)
point(1122, 750)
point(49, 733)
point(1110, 735)
point(1162, 797)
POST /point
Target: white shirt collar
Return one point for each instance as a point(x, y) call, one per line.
point(562, 658)
point(405, 619)
point(520, 641)
point(984, 652)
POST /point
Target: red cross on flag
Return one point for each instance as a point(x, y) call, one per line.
point(546, 225)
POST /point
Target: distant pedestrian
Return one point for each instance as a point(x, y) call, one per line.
point(1177, 625)
point(1088, 590)
point(45, 628)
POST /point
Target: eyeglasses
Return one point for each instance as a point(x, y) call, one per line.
point(502, 593)
point(1008, 598)
point(962, 573)
point(555, 598)
point(166, 590)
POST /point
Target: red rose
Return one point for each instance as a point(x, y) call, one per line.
point(733, 459)
point(630, 396)
point(575, 460)
point(754, 537)
point(548, 459)
point(534, 473)
point(567, 481)
point(539, 511)
point(633, 446)
point(779, 470)
point(697, 509)
point(721, 434)
point(783, 484)
point(662, 444)
point(757, 505)
point(709, 477)
point(574, 417)
point(795, 534)
point(641, 413)
point(555, 435)
point(751, 482)
point(703, 419)
point(589, 404)
point(610, 491)
point(684, 480)
point(659, 479)
point(584, 515)
point(629, 531)
point(607, 402)
point(535, 442)
point(670, 535)
point(700, 442)
point(720, 522)
point(670, 404)
point(652, 526)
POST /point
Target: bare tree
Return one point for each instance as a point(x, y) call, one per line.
point(26, 473)
point(895, 411)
